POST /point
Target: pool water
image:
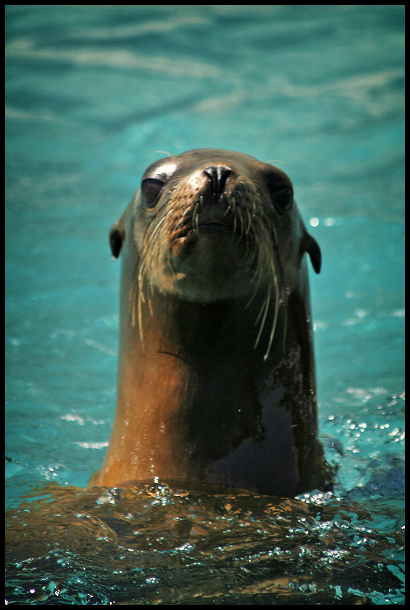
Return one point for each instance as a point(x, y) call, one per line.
point(94, 94)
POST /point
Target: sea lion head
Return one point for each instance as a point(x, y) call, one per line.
point(210, 225)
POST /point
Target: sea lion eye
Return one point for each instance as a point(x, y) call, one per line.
point(151, 190)
point(281, 196)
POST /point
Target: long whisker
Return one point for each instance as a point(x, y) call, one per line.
point(272, 333)
point(264, 309)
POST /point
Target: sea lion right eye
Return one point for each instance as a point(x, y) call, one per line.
point(151, 190)
point(281, 196)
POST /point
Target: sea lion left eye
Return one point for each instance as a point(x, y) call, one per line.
point(281, 196)
point(151, 190)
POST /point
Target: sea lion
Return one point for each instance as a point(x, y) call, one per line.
point(216, 378)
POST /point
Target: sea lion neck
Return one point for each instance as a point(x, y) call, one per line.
point(190, 390)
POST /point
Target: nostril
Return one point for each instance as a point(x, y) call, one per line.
point(219, 175)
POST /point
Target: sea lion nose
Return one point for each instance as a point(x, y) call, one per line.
point(219, 175)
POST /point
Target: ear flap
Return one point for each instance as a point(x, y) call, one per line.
point(117, 236)
point(311, 246)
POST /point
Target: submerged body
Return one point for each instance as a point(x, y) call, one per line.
point(216, 377)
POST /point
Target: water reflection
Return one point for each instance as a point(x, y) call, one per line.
point(161, 544)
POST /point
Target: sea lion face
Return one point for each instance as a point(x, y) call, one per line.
point(210, 225)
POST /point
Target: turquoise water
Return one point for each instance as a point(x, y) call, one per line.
point(94, 94)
